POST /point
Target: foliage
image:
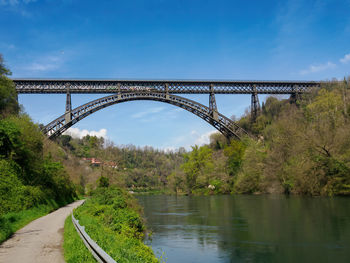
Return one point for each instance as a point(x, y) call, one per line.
point(301, 148)
point(27, 177)
point(250, 171)
point(309, 155)
point(103, 181)
point(197, 166)
point(112, 218)
point(138, 169)
point(234, 152)
point(8, 94)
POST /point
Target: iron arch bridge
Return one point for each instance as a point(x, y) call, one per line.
point(226, 126)
point(159, 90)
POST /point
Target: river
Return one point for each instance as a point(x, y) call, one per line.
point(248, 228)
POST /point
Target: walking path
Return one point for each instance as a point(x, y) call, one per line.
point(39, 241)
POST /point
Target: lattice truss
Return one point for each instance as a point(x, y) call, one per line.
point(159, 90)
point(164, 86)
point(226, 126)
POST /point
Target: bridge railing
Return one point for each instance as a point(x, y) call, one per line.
point(99, 254)
point(163, 86)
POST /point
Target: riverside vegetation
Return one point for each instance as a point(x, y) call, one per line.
point(300, 147)
point(112, 218)
point(31, 183)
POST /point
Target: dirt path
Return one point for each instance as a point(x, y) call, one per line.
point(40, 240)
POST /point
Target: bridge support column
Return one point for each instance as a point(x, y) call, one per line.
point(166, 87)
point(68, 114)
point(213, 110)
point(119, 91)
point(295, 96)
point(255, 105)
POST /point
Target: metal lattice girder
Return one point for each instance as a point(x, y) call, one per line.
point(213, 109)
point(163, 86)
point(68, 114)
point(226, 126)
point(255, 105)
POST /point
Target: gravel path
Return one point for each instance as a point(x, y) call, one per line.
point(40, 240)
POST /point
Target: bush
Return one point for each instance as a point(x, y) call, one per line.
point(27, 178)
point(112, 218)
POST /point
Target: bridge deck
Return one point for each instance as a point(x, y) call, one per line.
point(163, 86)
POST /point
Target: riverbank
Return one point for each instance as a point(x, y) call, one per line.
point(112, 218)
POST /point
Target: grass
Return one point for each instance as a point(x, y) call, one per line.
point(11, 222)
point(74, 248)
point(112, 219)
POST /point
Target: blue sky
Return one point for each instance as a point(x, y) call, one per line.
point(159, 39)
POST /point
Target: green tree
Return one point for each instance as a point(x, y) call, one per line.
point(198, 163)
point(175, 181)
point(8, 94)
point(234, 152)
point(103, 181)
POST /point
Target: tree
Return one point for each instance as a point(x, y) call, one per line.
point(103, 181)
point(198, 163)
point(175, 181)
point(234, 152)
point(8, 94)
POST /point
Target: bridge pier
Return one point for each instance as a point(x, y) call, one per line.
point(255, 105)
point(119, 91)
point(295, 96)
point(68, 114)
point(166, 87)
point(213, 109)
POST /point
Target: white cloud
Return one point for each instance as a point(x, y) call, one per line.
point(187, 140)
point(46, 63)
point(77, 133)
point(8, 2)
point(147, 112)
point(202, 138)
point(318, 68)
point(169, 149)
point(15, 2)
point(345, 59)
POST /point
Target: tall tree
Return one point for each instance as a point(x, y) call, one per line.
point(8, 94)
point(198, 163)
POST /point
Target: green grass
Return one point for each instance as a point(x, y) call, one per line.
point(112, 219)
point(11, 222)
point(74, 248)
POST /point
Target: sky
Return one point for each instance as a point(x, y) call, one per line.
point(169, 39)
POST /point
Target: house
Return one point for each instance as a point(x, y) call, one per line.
point(96, 162)
point(93, 161)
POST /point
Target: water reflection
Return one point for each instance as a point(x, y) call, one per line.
point(249, 228)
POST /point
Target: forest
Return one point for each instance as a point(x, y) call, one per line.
point(297, 146)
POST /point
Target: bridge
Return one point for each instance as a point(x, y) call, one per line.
point(159, 90)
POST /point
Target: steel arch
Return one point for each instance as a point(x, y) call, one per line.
point(226, 126)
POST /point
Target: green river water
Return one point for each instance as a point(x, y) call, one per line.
point(247, 228)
